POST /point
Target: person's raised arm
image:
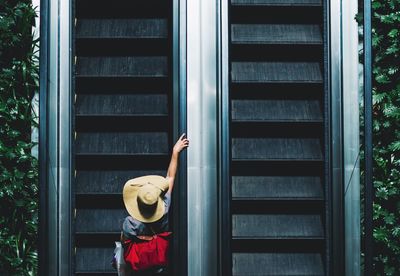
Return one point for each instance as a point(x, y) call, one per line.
point(180, 145)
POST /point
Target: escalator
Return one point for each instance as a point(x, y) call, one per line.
point(123, 115)
point(277, 96)
point(123, 123)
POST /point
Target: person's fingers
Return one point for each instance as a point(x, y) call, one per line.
point(183, 145)
point(183, 135)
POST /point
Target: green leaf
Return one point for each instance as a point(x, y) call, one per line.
point(393, 33)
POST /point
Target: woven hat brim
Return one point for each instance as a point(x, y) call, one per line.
point(132, 207)
point(130, 197)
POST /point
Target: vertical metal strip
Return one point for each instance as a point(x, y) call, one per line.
point(179, 123)
point(43, 252)
point(225, 254)
point(327, 135)
point(73, 95)
point(369, 189)
point(52, 135)
point(56, 136)
point(336, 136)
point(202, 132)
point(351, 143)
point(65, 138)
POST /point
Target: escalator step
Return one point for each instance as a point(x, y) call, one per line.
point(100, 220)
point(262, 264)
point(91, 273)
point(122, 66)
point(254, 187)
point(94, 260)
point(275, 34)
point(122, 143)
point(121, 28)
point(276, 110)
point(276, 226)
point(277, 2)
point(276, 149)
point(121, 8)
point(128, 105)
point(276, 72)
point(106, 181)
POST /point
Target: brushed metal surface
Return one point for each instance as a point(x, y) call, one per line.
point(59, 139)
point(336, 135)
point(202, 132)
point(351, 143)
point(65, 139)
point(52, 165)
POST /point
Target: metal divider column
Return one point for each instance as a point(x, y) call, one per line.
point(55, 140)
point(202, 132)
point(180, 123)
point(224, 243)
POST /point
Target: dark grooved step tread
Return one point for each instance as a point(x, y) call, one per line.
point(262, 264)
point(276, 226)
point(100, 220)
point(272, 72)
point(124, 143)
point(275, 34)
point(94, 260)
point(276, 110)
point(276, 148)
point(122, 104)
point(110, 234)
point(122, 66)
point(122, 9)
point(90, 273)
point(276, 187)
point(106, 182)
point(276, 2)
point(121, 28)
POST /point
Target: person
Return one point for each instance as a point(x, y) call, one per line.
point(147, 200)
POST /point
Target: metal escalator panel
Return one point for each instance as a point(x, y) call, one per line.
point(123, 115)
point(277, 143)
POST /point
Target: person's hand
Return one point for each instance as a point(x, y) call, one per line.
point(181, 144)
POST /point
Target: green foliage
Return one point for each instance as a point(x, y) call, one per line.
point(18, 168)
point(386, 135)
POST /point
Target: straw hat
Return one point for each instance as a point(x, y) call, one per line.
point(142, 197)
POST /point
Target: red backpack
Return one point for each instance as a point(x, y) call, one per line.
point(145, 254)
